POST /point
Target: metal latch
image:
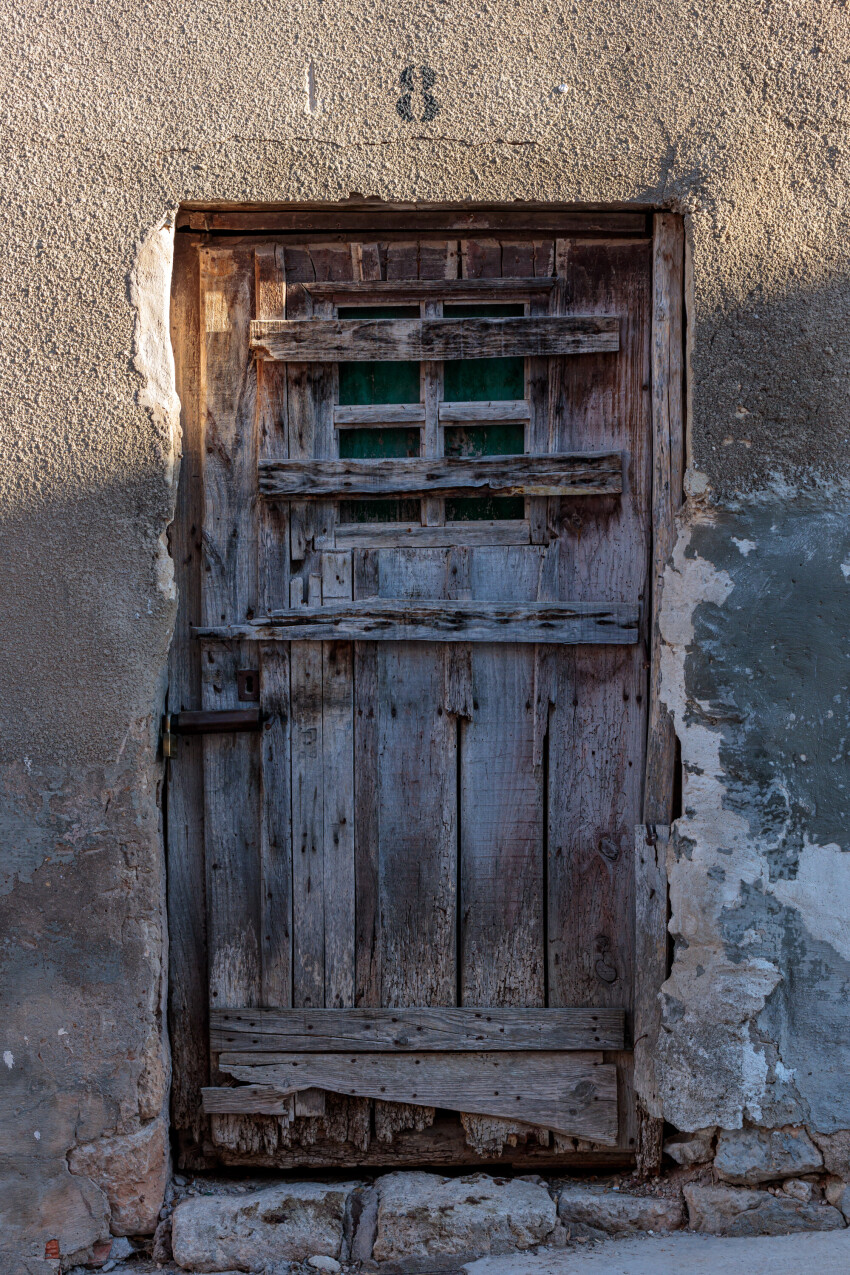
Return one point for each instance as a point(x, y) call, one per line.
point(214, 722)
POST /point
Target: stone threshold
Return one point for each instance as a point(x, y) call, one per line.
point(424, 1223)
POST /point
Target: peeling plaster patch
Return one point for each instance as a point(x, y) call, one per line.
point(744, 546)
point(8, 1058)
point(845, 569)
point(153, 359)
point(755, 667)
point(820, 892)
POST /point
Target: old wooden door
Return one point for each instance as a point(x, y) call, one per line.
point(416, 630)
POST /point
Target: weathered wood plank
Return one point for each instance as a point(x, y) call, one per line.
point(504, 410)
point(441, 1143)
point(230, 586)
point(308, 839)
point(393, 620)
point(651, 843)
point(432, 509)
point(377, 416)
point(408, 219)
point(502, 825)
point(338, 340)
point(573, 1094)
point(667, 478)
point(386, 290)
point(255, 1100)
point(367, 948)
point(276, 839)
point(411, 535)
point(416, 744)
point(187, 966)
point(422, 1030)
point(338, 820)
point(558, 475)
point(597, 731)
point(273, 432)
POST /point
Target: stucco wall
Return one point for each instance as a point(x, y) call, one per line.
point(735, 114)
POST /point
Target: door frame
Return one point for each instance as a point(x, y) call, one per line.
point(183, 822)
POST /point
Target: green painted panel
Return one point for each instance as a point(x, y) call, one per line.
point(362, 443)
point(364, 383)
point(476, 380)
point(484, 440)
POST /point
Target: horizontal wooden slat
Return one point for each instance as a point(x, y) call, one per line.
point(419, 1030)
point(391, 620)
point(398, 535)
point(376, 416)
point(255, 1100)
point(573, 1094)
point(564, 474)
point(497, 410)
point(347, 340)
point(449, 289)
point(410, 220)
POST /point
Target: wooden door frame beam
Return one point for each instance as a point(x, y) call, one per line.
point(662, 753)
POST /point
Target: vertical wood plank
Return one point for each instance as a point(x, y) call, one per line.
point(416, 764)
point(273, 432)
point(431, 377)
point(231, 763)
point(308, 919)
point(367, 920)
point(651, 843)
point(367, 948)
point(276, 848)
point(338, 785)
point(667, 479)
point(501, 797)
point(537, 393)
point(188, 987)
point(597, 728)
point(273, 572)
point(668, 436)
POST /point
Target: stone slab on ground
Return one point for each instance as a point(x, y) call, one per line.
point(737, 1211)
point(684, 1254)
point(425, 1214)
point(750, 1156)
point(595, 1209)
point(289, 1221)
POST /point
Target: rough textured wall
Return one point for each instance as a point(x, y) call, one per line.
point(735, 114)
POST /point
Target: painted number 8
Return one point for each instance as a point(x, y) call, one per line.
point(430, 105)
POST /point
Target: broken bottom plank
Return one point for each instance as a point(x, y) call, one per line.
point(570, 1093)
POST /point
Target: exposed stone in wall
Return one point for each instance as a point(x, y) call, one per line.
point(132, 1170)
point(750, 1156)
